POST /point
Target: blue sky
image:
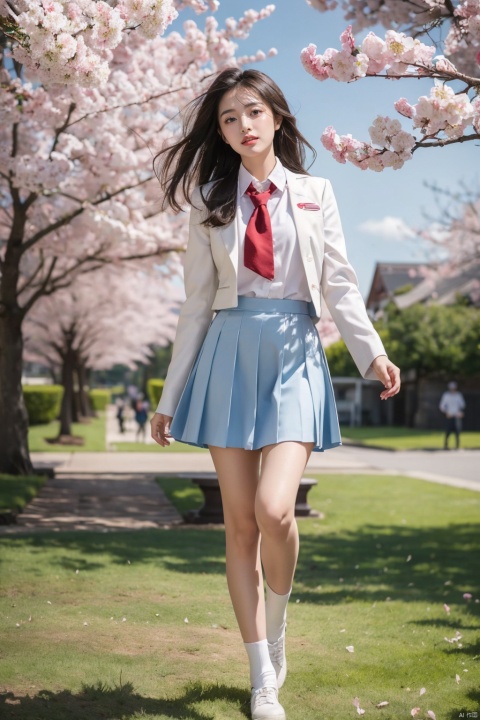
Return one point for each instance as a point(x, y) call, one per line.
point(365, 198)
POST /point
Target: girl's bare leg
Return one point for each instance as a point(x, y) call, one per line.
point(282, 469)
point(238, 476)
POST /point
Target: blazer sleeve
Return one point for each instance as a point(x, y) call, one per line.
point(341, 293)
point(201, 283)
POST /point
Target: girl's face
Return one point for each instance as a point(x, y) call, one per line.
point(247, 123)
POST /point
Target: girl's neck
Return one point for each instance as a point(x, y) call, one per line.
point(260, 167)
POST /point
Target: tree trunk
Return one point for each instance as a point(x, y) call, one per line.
point(14, 456)
point(76, 408)
point(85, 404)
point(67, 382)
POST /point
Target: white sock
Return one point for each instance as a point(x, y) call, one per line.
point(262, 673)
point(276, 614)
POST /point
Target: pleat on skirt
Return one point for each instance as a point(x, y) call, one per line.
point(260, 378)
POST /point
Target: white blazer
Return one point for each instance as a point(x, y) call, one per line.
point(210, 273)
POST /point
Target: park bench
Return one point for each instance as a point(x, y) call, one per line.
point(212, 509)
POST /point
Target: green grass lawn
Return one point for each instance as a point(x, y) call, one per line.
point(95, 624)
point(93, 432)
point(400, 438)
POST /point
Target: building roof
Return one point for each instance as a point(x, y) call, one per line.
point(389, 278)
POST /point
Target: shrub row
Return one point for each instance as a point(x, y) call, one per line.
point(100, 398)
point(154, 390)
point(43, 402)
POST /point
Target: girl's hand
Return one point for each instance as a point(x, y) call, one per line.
point(388, 374)
point(160, 425)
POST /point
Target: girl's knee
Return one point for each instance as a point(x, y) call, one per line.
point(274, 520)
point(242, 532)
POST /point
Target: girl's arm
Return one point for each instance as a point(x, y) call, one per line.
point(201, 283)
point(340, 289)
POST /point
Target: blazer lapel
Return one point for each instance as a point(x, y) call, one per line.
point(306, 223)
point(229, 235)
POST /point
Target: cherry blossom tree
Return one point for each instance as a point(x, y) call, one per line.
point(114, 316)
point(453, 236)
point(88, 93)
point(448, 114)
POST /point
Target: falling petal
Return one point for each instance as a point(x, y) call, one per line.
point(17, 624)
point(350, 648)
point(446, 608)
point(432, 715)
point(85, 623)
point(423, 691)
point(384, 703)
point(356, 703)
point(407, 560)
point(448, 582)
point(185, 620)
point(48, 602)
point(76, 572)
point(343, 630)
point(467, 596)
point(124, 619)
point(457, 678)
point(414, 711)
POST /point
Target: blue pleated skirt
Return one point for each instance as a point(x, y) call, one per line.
point(260, 378)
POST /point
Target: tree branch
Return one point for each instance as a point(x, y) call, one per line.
point(447, 141)
point(61, 222)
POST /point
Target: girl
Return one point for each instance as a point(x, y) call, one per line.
point(252, 384)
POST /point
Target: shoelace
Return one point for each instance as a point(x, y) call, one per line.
point(276, 651)
point(264, 696)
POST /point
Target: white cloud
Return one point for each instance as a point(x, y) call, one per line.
point(389, 228)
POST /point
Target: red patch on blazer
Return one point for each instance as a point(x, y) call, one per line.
point(308, 206)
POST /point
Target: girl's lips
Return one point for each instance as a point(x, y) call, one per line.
point(249, 140)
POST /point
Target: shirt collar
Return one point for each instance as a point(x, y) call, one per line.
point(277, 176)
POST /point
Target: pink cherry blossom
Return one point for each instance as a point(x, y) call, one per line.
point(442, 117)
point(95, 100)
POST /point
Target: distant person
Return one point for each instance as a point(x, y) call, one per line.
point(141, 416)
point(120, 404)
point(452, 405)
point(133, 395)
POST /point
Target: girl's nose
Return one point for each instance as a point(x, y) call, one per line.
point(246, 125)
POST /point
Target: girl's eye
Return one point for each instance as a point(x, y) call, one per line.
point(229, 120)
point(256, 111)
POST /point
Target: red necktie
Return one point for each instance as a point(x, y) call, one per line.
point(258, 253)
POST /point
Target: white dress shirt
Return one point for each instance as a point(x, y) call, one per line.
point(452, 404)
point(289, 274)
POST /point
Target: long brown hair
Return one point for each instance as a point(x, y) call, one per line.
point(201, 156)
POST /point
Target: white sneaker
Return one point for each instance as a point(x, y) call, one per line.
point(265, 705)
point(276, 651)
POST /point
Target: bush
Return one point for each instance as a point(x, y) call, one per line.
point(100, 398)
point(340, 362)
point(42, 402)
point(155, 389)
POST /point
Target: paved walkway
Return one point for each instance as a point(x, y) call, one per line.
point(459, 469)
point(116, 490)
point(96, 501)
